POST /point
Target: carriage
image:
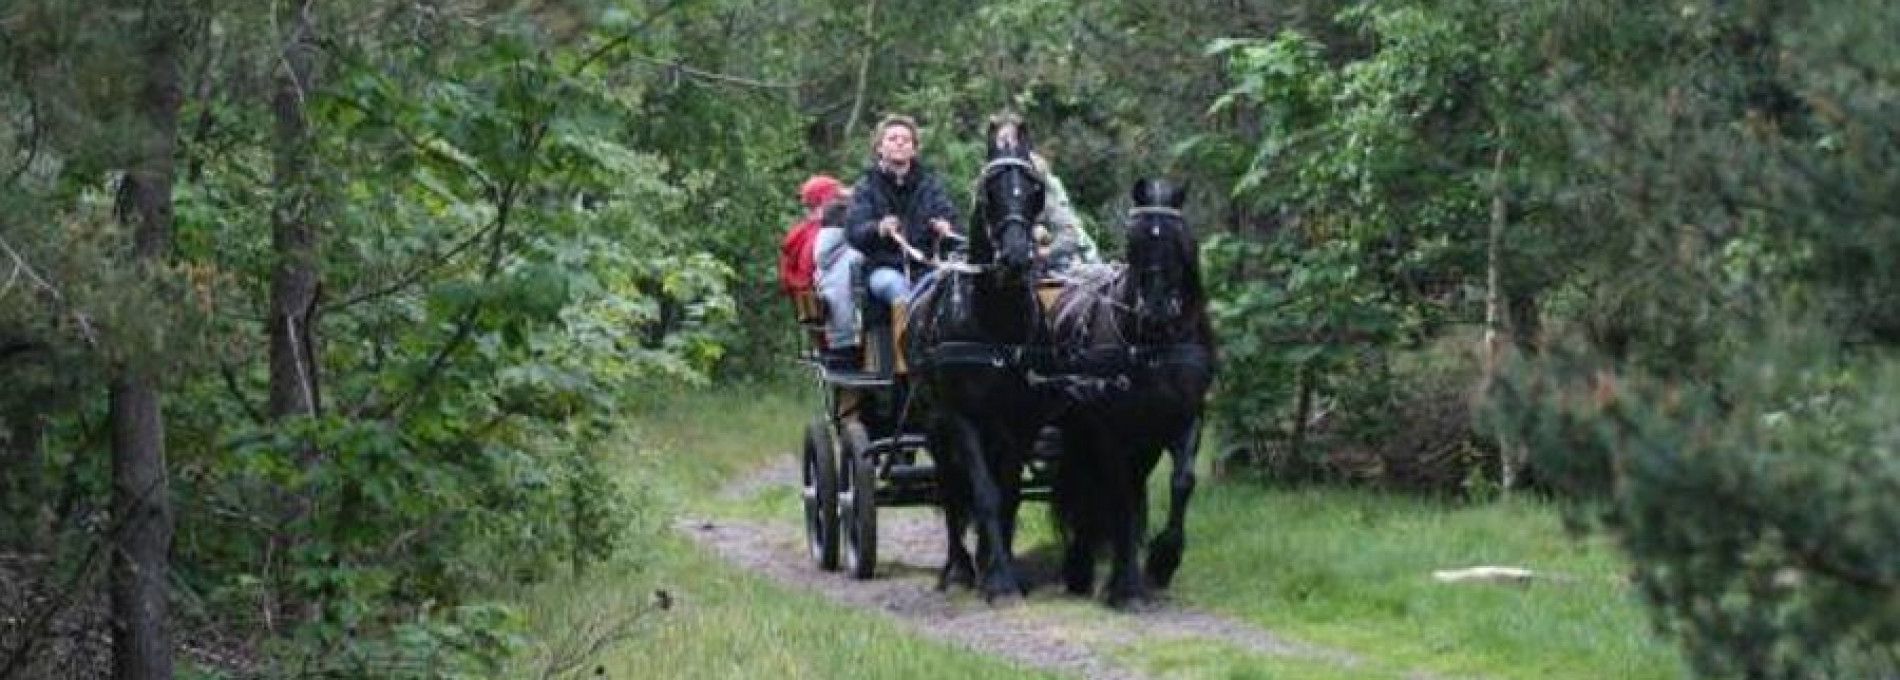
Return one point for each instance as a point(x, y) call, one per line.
point(867, 447)
point(1118, 371)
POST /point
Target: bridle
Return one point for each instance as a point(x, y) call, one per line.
point(1154, 267)
point(1015, 216)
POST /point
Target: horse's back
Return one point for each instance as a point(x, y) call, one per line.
point(1086, 304)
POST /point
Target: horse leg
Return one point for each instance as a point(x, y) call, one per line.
point(996, 574)
point(958, 568)
point(954, 496)
point(1164, 554)
point(1009, 476)
point(1129, 500)
point(1075, 495)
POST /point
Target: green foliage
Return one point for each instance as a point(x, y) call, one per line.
point(501, 274)
point(1381, 166)
point(1756, 504)
point(1724, 372)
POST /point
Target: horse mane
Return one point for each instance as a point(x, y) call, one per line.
point(1089, 310)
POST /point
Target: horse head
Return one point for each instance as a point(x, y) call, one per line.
point(1163, 260)
point(1010, 196)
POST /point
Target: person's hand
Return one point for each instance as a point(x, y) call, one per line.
point(888, 226)
point(942, 226)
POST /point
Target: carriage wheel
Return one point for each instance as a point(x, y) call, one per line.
point(818, 463)
point(857, 507)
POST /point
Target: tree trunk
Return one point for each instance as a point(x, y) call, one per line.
point(294, 385)
point(142, 648)
point(293, 369)
point(1496, 329)
point(1296, 462)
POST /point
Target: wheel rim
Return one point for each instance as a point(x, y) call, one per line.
point(814, 522)
point(818, 473)
point(849, 508)
point(857, 504)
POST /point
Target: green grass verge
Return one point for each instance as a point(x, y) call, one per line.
point(1344, 569)
point(723, 622)
point(1352, 570)
point(1194, 659)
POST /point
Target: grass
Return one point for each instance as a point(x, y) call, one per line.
point(1343, 569)
point(1352, 570)
point(1208, 659)
point(723, 622)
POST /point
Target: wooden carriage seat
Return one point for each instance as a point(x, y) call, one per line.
point(1046, 292)
point(809, 310)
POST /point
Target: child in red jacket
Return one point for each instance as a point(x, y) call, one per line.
point(795, 260)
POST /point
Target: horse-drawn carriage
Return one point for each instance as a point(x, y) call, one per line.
point(867, 447)
point(956, 391)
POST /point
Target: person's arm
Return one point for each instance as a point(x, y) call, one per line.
point(938, 206)
point(860, 221)
point(1070, 243)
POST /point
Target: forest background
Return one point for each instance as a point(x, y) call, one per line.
point(314, 315)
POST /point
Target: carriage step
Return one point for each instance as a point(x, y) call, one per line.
point(913, 474)
point(902, 442)
point(854, 379)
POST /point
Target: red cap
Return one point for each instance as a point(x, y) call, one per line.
point(818, 190)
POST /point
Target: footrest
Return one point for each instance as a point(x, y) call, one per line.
point(855, 379)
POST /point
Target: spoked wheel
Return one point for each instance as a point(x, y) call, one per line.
point(819, 465)
point(857, 503)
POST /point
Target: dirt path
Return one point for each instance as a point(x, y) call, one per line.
point(1048, 631)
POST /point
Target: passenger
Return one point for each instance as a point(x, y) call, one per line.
point(795, 255)
point(1063, 241)
point(838, 262)
point(899, 211)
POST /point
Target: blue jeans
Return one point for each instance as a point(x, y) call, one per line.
point(889, 286)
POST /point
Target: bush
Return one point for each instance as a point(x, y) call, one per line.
point(1757, 506)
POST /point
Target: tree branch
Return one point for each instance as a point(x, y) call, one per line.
point(414, 276)
point(85, 322)
point(33, 142)
point(714, 76)
point(627, 37)
point(864, 69)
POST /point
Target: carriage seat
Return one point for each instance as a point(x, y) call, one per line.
point(808, 310)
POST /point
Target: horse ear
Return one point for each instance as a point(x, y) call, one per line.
point(1177, 197)
point(1142, 193)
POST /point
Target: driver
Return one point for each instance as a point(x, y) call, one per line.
point(899, 211)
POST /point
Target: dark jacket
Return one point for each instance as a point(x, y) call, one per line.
point(920, 198)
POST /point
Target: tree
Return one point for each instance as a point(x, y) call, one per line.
point(141, 569)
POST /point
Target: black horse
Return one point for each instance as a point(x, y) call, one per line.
point(968, 329)
point(1140, 338)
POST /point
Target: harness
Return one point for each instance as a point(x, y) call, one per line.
point(1082, 374)
point(1048, 365)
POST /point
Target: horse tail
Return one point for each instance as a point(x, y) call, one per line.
point(1076, 494)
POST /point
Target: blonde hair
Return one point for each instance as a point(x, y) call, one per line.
point(909, 123)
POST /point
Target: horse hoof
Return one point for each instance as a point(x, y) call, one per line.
point(1132, 603)
point(955, 573)
point(1163, 559)
point(1003, 590)
point(1079, 579)
point(1006, 600)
